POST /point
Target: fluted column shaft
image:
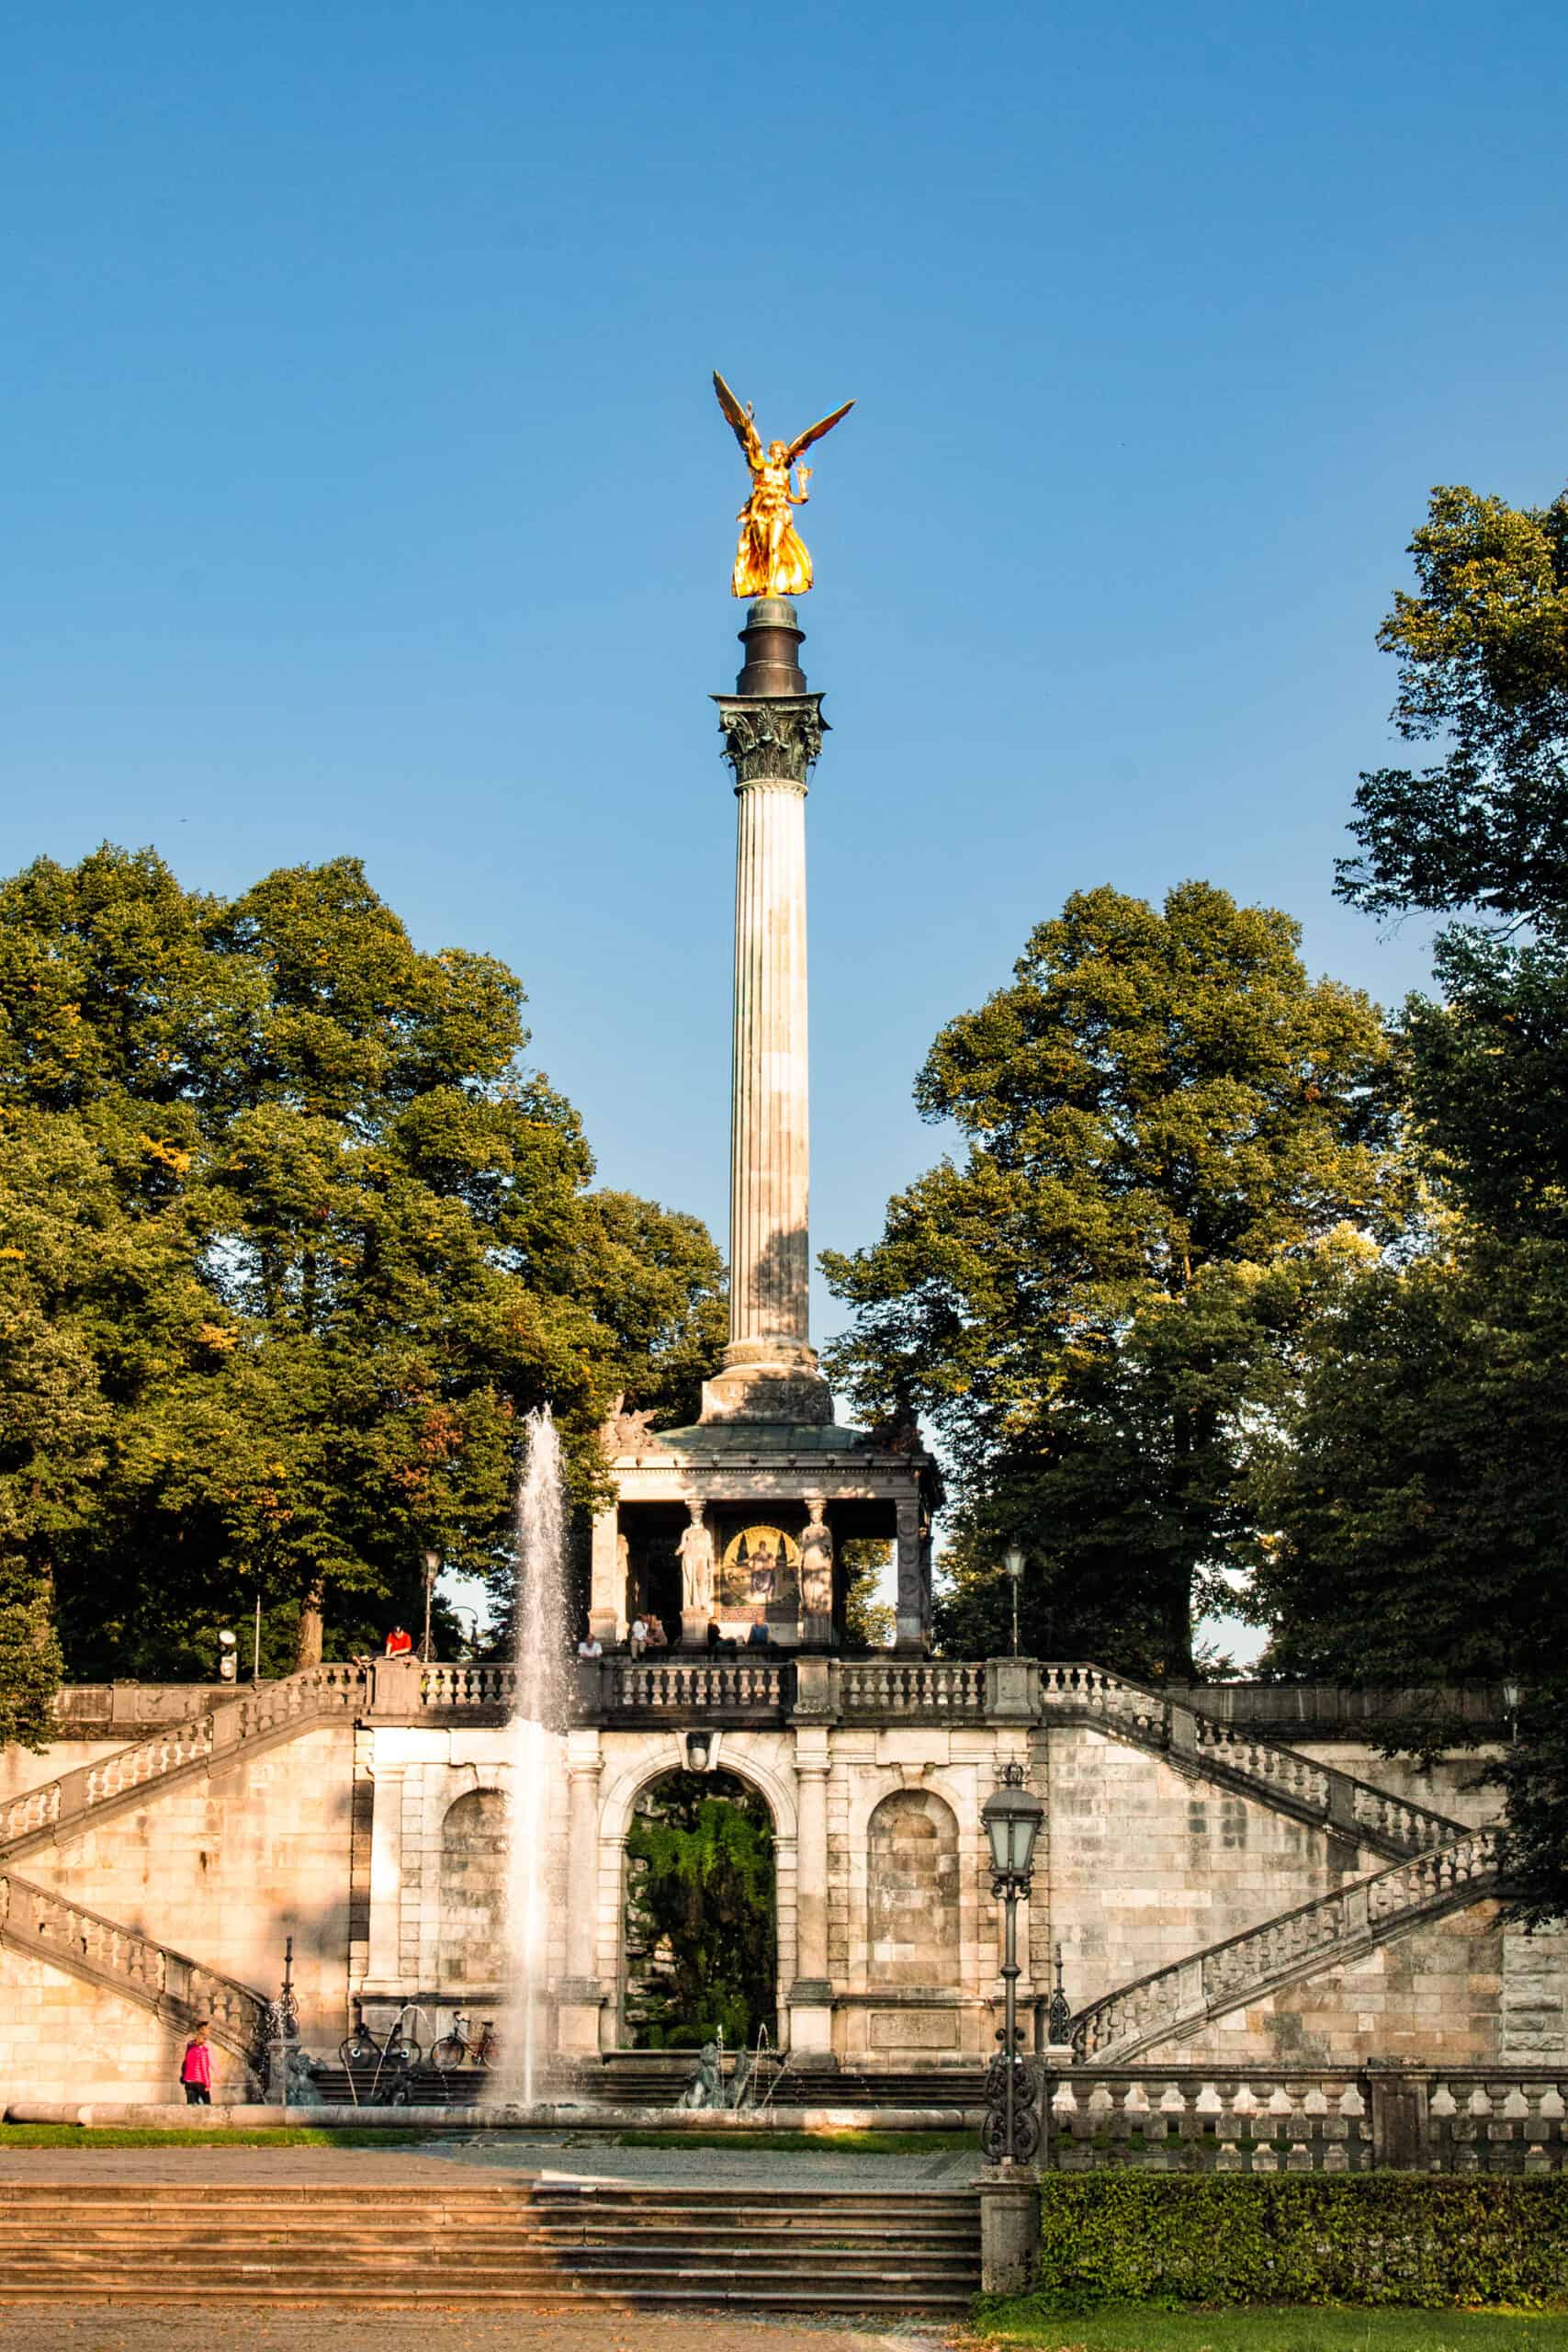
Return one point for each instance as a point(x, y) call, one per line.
point(769, 1145)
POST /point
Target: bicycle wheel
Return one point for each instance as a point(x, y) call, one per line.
point(448, 2055)
point(359, 2050)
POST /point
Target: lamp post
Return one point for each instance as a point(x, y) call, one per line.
point(459, 1609)
point(1012, 1561)
point(432, 1562)
point(1010, 1817)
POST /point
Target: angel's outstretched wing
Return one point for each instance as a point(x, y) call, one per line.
point(815, 431)
point(745, 431)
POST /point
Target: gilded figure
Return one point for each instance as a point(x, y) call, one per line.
point(771, 559)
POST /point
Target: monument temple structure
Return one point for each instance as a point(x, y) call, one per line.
point(1234, 1877)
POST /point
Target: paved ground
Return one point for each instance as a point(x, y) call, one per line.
point(86, 2329)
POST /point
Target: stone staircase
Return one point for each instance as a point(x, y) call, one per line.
point(256, 1718)
point(1178, 1999)
point(1202, 1747)
point(781, 2249)
point(36, 1920)
point(1131, 2017)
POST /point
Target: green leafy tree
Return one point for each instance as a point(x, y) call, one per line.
point(1420, 1503)
point(701, 1911)
point(1419, 1490)
point(869, 1623)
point(1171, 1134)
point(1482, 652)
point(335, 1239)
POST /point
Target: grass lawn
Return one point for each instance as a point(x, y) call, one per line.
point(82, 2135)
point(1288, 2329)
point(811, 2143)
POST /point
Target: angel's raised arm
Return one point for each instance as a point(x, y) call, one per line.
point(815, 431)
point(741, 419)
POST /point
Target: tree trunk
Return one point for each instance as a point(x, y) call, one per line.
point(308, 1650)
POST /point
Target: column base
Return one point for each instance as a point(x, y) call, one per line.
point(811, 2047)
point(605, 1626)
point(769, 1380)
point(1010, 2229)
point(769, 1393)
point(580, 2001)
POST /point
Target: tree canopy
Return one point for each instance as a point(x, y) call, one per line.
point(1171, 1132)
point(291, 1238)
point(1418, 1492)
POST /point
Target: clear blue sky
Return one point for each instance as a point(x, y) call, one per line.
point(361, 488)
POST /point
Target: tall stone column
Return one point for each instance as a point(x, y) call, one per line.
point(773, 730)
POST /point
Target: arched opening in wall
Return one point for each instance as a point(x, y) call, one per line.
point(700, 1928)
point(472, 1943)
point(912, 1923)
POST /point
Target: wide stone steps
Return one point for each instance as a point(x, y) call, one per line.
point(533, 2245)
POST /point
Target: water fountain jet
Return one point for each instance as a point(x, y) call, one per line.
point(534, 1753)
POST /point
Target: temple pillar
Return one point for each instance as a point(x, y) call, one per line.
point(607, 1587)
point(913, 1628)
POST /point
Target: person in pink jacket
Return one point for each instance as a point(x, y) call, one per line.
point(196, 2069)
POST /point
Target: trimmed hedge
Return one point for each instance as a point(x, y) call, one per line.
point(1424, 2239)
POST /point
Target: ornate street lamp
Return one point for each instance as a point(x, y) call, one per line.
point(1012, 1561)
point(430, 1562)
point(1011, 1817)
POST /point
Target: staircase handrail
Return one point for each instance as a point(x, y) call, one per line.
point(1356, 1808)
point(1225, 1975)
point(256, 1711)
point(68, 1936)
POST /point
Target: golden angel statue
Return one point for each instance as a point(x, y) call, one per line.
point(771, 559)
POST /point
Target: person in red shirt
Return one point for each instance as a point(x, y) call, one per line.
point(398, 1642)
point(196, 2069)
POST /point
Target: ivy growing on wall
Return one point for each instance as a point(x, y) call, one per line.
point(701, 1934)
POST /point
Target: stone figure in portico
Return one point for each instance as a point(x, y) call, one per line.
point(695, 1549)
point(816, 1561)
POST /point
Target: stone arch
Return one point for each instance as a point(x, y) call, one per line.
point(474, 1839)
point(622, 1789)
point(913, 1928)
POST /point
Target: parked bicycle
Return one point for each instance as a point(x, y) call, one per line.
point(364, 2048)
point(459, 2048)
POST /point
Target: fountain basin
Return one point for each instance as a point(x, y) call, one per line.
point(551, 2117)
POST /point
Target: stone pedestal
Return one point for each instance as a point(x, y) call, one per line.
point(1010, 2229)
point(695, 1630)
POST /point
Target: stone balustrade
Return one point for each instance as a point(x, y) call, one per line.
point(922, 1689)
point(147, 1759)
point(1310, 2120)
point(732, 1686)
point(467, 1684)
